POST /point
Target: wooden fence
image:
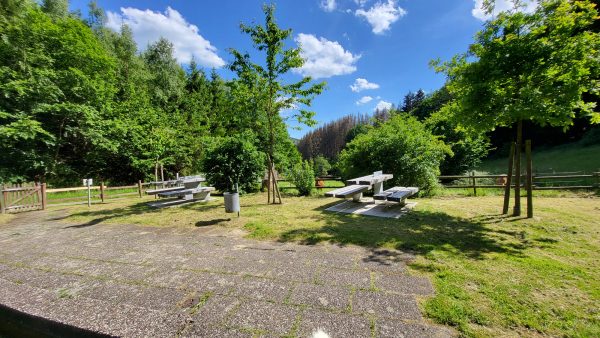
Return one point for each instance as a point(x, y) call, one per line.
point(554, 181)
point(35, 196)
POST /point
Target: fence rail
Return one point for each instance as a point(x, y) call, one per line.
point(35, 196)
point(540, 181)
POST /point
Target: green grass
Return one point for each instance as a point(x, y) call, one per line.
point(81, 195)
point(494, 275)
point(564, 158)
point(4, 218)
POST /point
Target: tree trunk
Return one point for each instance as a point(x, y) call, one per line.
point(517, 208)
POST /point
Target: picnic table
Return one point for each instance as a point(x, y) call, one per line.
point(357, 186)
point(189, 188)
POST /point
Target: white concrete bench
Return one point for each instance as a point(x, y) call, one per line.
point(355, 191)
point(163, 190)
point(187, 194)
point(396, 194)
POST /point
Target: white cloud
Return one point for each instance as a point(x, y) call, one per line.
point(324, 58)
point(501, 6)
point(363, 100)
point(382, 15)
point(328, 5)
point(383, 105)
point(362, 84)
point(360, 3)
point(148, 26)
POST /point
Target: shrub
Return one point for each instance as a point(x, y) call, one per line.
point(303, 177)
point(467, 150)
point(232, 160)
point(402, 146)
point(591, 137)
point(321, 166)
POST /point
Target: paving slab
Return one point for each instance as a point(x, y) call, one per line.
point(360, 279)
point(320, 296)
point(273, 318)
point(333, 324)
point(134, 281)
point(262, 289)
point(403, 284)
point(399, 329)
point(386, 305)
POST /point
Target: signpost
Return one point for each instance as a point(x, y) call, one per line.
point(87, 182)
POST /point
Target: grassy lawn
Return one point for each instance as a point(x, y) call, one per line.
point(4, 218)
point(494, 275)
point(565, 158)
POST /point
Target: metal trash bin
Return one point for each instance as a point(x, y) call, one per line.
point(232, 202)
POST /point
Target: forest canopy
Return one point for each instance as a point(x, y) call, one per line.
point(80, 100)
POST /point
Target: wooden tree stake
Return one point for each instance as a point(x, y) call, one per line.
point(508, 183)
point(529, 179)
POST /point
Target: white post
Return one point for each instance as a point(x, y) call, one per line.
point(89, 196)
point(378, 188)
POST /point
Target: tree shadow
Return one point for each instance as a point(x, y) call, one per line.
point(212, 222)
point(418, 232)
point(130, 210)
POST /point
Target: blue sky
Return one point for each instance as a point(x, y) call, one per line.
point(370, 52)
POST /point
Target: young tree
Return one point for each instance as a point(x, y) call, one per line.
point(527, 66)
point(270, 94)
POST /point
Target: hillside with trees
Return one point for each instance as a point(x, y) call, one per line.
point(80, 100)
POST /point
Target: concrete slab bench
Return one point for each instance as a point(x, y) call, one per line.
point(187, 193)
point(163, 190)
point(396, 194)
point(355, 191)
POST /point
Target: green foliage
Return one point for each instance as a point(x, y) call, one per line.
point(321, 166)
point(402, 146)
point(467, 150)
point(591, 137)
point(361, 128)
point(527, 66)
point(263, 87)
point(303, 177)
point(234, 160)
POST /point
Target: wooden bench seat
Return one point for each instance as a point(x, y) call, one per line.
point(347, 191)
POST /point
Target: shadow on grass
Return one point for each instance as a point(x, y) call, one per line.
point(212, 222)
point(131, 210)
point(418, 232)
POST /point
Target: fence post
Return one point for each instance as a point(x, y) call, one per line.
point(140, 188)
point(3, 202)
point(102, 191)
point(474, 185)
point(529, 179)
point(508, 183)
point(44, 200)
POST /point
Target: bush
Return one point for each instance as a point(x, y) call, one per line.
point(467, 150)
point(232, 160)
point(303, 177)
point(321, 166)
point(591, 137)
point(402, 146)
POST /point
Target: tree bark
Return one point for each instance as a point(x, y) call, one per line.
point(519, 146)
